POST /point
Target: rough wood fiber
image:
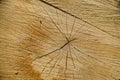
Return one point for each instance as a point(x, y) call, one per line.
point(59, 40)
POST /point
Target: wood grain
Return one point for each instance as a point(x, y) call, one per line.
point(59, 40)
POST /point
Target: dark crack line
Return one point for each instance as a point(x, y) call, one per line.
point(54, 50)
point(78, 18)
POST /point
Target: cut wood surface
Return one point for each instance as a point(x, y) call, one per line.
point(59, 40)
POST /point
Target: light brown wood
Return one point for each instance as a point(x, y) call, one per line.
point(59, 40)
